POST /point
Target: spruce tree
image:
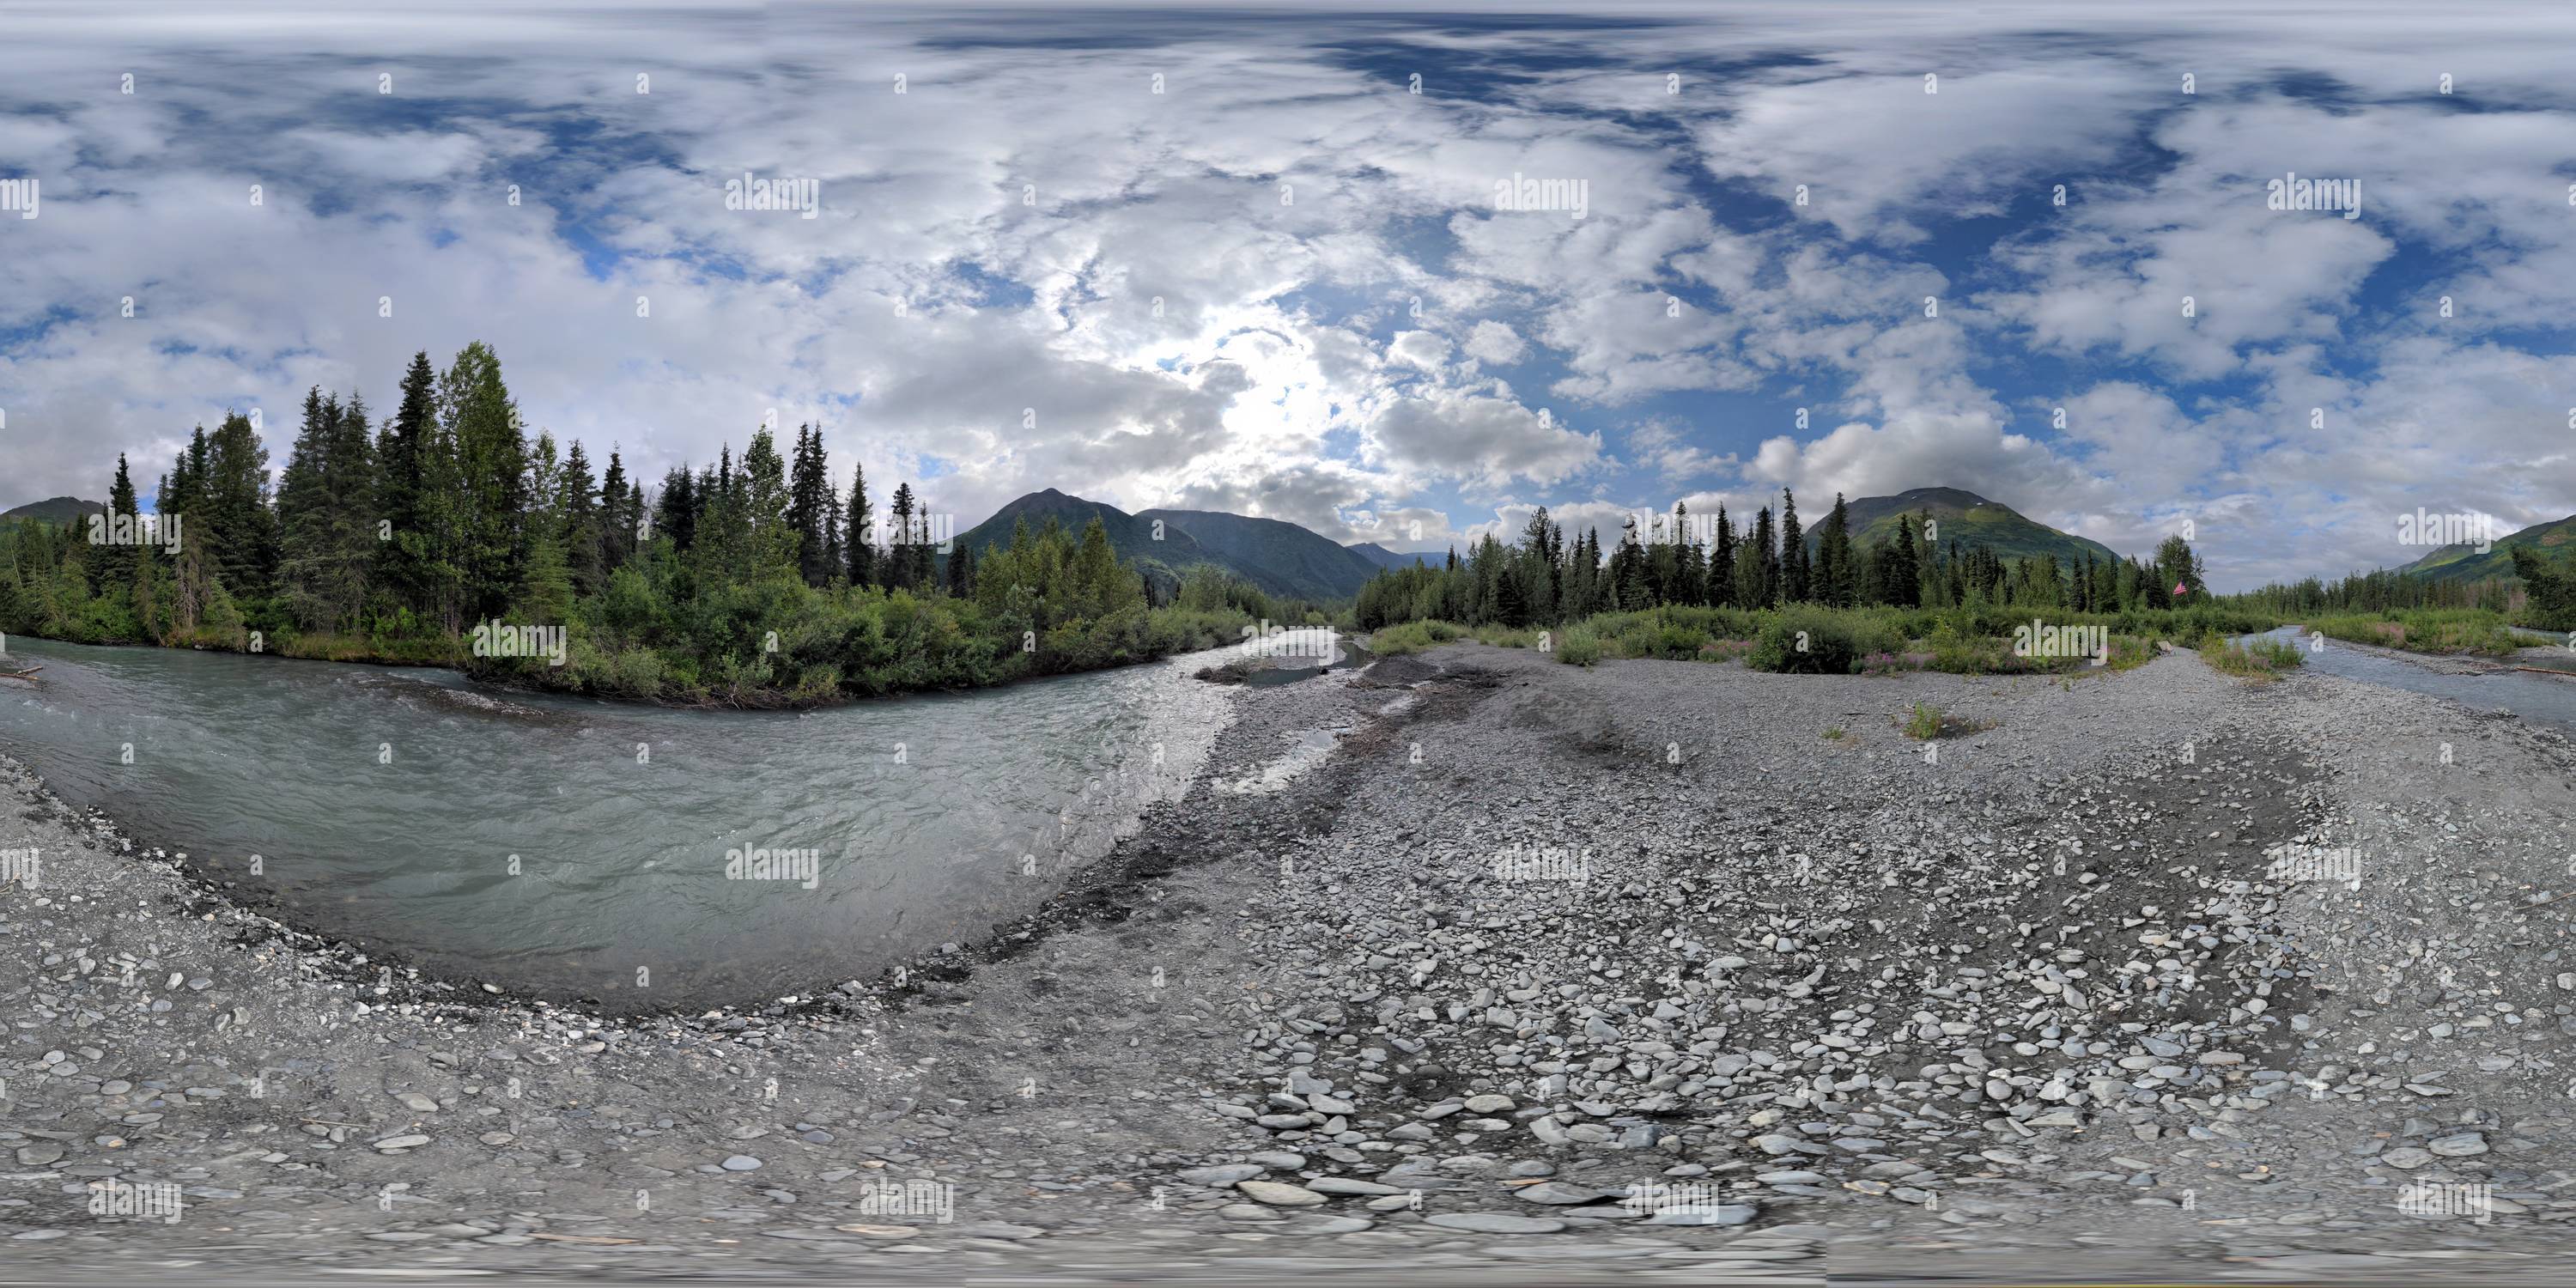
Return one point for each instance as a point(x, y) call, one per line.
point(111, 566)
point(492, 460)
point(1834, 557)
point(404, 557)
point(899, 540)
point(1794, 586)
point(239, 527)
point(1764, 583)
point(579, 521)
point(859, 541)
point(1904, 578)
point(617, 516)
point(677, 512)
point(836, 559)
point(809, 507)
point(769, 518)
point(1721, 563)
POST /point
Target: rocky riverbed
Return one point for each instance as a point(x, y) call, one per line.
point(1467, 966)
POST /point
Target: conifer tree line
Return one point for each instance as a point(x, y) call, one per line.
point(754, 578)
point(1547, 578)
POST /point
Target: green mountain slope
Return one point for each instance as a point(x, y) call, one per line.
point(1385, 558)
point(2463, 563)
point(1133, 538)
point(1964, 517)
point(57, 510)
point(1278, 556)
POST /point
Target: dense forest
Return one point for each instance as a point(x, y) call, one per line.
point(751, 581)
point(1548, 578)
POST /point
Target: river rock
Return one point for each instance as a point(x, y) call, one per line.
point(2465, 1144)
point(1278, 1195)
point(1495, 1223)
point(1556, 1192)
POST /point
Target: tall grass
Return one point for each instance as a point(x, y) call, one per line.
point(2425, 630)
point(2260, 660)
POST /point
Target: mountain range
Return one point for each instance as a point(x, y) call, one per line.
point(58, 510)
point(1281, 558)
point(1963, 517)
point(2464, 563)
point(1288, 560)
point(1285, 559)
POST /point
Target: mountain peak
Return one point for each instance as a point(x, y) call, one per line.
point(56, 509)
point(1965, 518)
point(1278, 556)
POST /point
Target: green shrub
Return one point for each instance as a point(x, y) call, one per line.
point(1803, 641)
point(2260, 660)
point(1412, 637)
point(2425, 630)
point(1579, 646)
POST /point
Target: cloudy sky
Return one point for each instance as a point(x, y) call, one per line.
point(1255, 259)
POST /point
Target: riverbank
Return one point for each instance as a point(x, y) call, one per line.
point(1169, 633)
point(1833, 992)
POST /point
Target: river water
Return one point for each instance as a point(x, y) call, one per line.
point(580, 850)
point(2543, 698)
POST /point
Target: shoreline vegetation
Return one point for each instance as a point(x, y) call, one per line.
point(1785, 600)
point(446, 536)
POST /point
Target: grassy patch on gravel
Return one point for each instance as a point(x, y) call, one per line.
point(2426, 630)
point(2260, 660)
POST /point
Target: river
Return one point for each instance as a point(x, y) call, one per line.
point(573, 849)
point(2542, 698)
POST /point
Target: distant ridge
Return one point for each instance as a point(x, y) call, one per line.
point(1285, 559)
point(58, 510)
point(1963, 516)
point(1385, 558)
point(2463, 563)
point(1281, 558)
